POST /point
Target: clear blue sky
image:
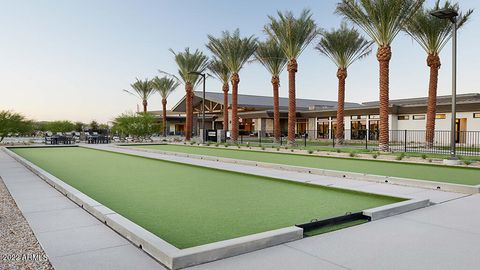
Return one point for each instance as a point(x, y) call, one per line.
point(71, 59)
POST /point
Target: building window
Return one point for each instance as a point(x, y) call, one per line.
point(440, 116)
point(403, 117)
point(358, 117)
point(375, 116)
point(476, 115)
point(419, 117)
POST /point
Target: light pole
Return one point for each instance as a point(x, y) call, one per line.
point(204, 76)
point(451, 14)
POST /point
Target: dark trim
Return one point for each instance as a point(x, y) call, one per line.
point(316, 224)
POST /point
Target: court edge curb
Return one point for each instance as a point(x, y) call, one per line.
point(162, 251)
point(459, 188)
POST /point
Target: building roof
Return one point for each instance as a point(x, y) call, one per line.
point(461, 98)
point(264, 102)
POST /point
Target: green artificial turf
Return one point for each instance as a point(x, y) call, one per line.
point(457, 175)
point(189, 205)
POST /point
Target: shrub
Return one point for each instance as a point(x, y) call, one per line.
point(375, 155)
point(291, 150)
point(226, 145)
point(263, 148)
point(430, 160)
point(217, 145)
point(467, 162)
point(400, 157)
point(139, 125)
point(14, 123)
point(310, 151)
point(338, 150)
point(352, 154)
point(424, 156)
point(278, 148)
point(192, 143)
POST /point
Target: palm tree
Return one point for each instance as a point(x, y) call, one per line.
point(234, 51)
point(432, 35)
point(271, 56)
point(142, 89)
point(293, 35)
point(382, 20)
point(189, 64)
point(343, 46)
point(164, 86)
point(221, 71)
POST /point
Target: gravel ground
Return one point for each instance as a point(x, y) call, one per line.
point(19, 248)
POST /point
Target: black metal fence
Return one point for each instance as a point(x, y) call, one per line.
point(467, 142)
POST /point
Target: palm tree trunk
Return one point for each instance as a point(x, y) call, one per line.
point(341, 75)
point(145, 104)
point(292, 69)
point(276, 109)
point(433, 61)
point(188, 111)
point(384, 54)
point(235, 81)
point(164, 111)
point(225, 106)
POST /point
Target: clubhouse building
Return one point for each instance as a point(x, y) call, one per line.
point(317, 118)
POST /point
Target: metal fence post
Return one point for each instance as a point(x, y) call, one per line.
point(260, 138)
point(366, 139)
point(241, 139)
point(305, 140)
point(333, 138)
point(405, 142)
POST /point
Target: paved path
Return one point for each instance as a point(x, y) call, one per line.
point(443, 236)
point(71, 237)
point(435, 196)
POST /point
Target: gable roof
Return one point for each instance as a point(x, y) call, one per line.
point(263, 102)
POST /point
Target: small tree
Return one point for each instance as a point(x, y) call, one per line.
point(13, 123)
point(141, 125)
point(60, 126)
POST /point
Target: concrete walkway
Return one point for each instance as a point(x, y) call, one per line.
point(443, 236)
point(435, 196)
point(71, 237)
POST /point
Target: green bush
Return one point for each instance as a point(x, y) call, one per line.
point(338, 150)
point(424, 156)
point(352, 154)
point(139, 125)
point(310, 151)
point(400, 157)
point(14, 123)
point(375, 155)
point(467, 162)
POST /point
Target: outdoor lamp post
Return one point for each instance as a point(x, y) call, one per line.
point(204, 76)
point(451, 14)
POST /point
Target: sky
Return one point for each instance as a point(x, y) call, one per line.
point(71, 60)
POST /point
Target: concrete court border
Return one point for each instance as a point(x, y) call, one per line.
point(458, 188)
point(175, 258)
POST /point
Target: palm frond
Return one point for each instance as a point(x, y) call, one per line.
point(382, 20)
point(431, 33)
point(344, 45)
point(233, 50)
point(141, 88)
point(189, 62)
point(271, 56)
point(220, 70)
point(164, 85)
point(292, 34)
